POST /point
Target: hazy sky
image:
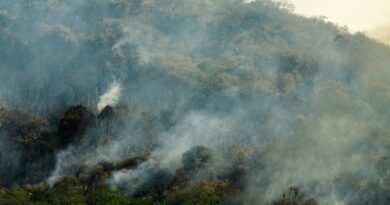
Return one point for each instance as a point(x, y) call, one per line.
point(358, 15)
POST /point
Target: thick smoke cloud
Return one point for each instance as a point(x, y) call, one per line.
point(303, 100)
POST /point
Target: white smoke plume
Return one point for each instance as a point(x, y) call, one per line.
point(111, 96)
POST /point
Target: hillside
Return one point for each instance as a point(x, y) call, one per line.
point(189, 102)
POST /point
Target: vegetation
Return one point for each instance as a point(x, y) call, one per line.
point(211, 102)
point(70, 191)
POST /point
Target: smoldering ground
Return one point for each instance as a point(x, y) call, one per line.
point(301, 101)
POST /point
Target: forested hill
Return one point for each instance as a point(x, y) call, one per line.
point(189, 102)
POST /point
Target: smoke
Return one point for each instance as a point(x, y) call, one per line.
point(111, 97)
point(292, 101)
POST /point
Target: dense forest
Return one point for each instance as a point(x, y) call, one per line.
point(189, 102)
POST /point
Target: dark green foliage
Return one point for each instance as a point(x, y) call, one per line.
point(71, 191)
point(106, 113)
point(158, 182)
point(68, 191)
point(294, 197)
point(22, 127)
point(106, 196)
point(196, 158)
point(26, 157)
point(105, 117)
point(74, 123)
point(103, 196)
point(203, 193)
point(15, 196)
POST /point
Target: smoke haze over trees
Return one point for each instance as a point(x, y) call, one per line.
point(164, 100)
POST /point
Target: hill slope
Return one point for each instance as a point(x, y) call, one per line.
point(242, 95)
